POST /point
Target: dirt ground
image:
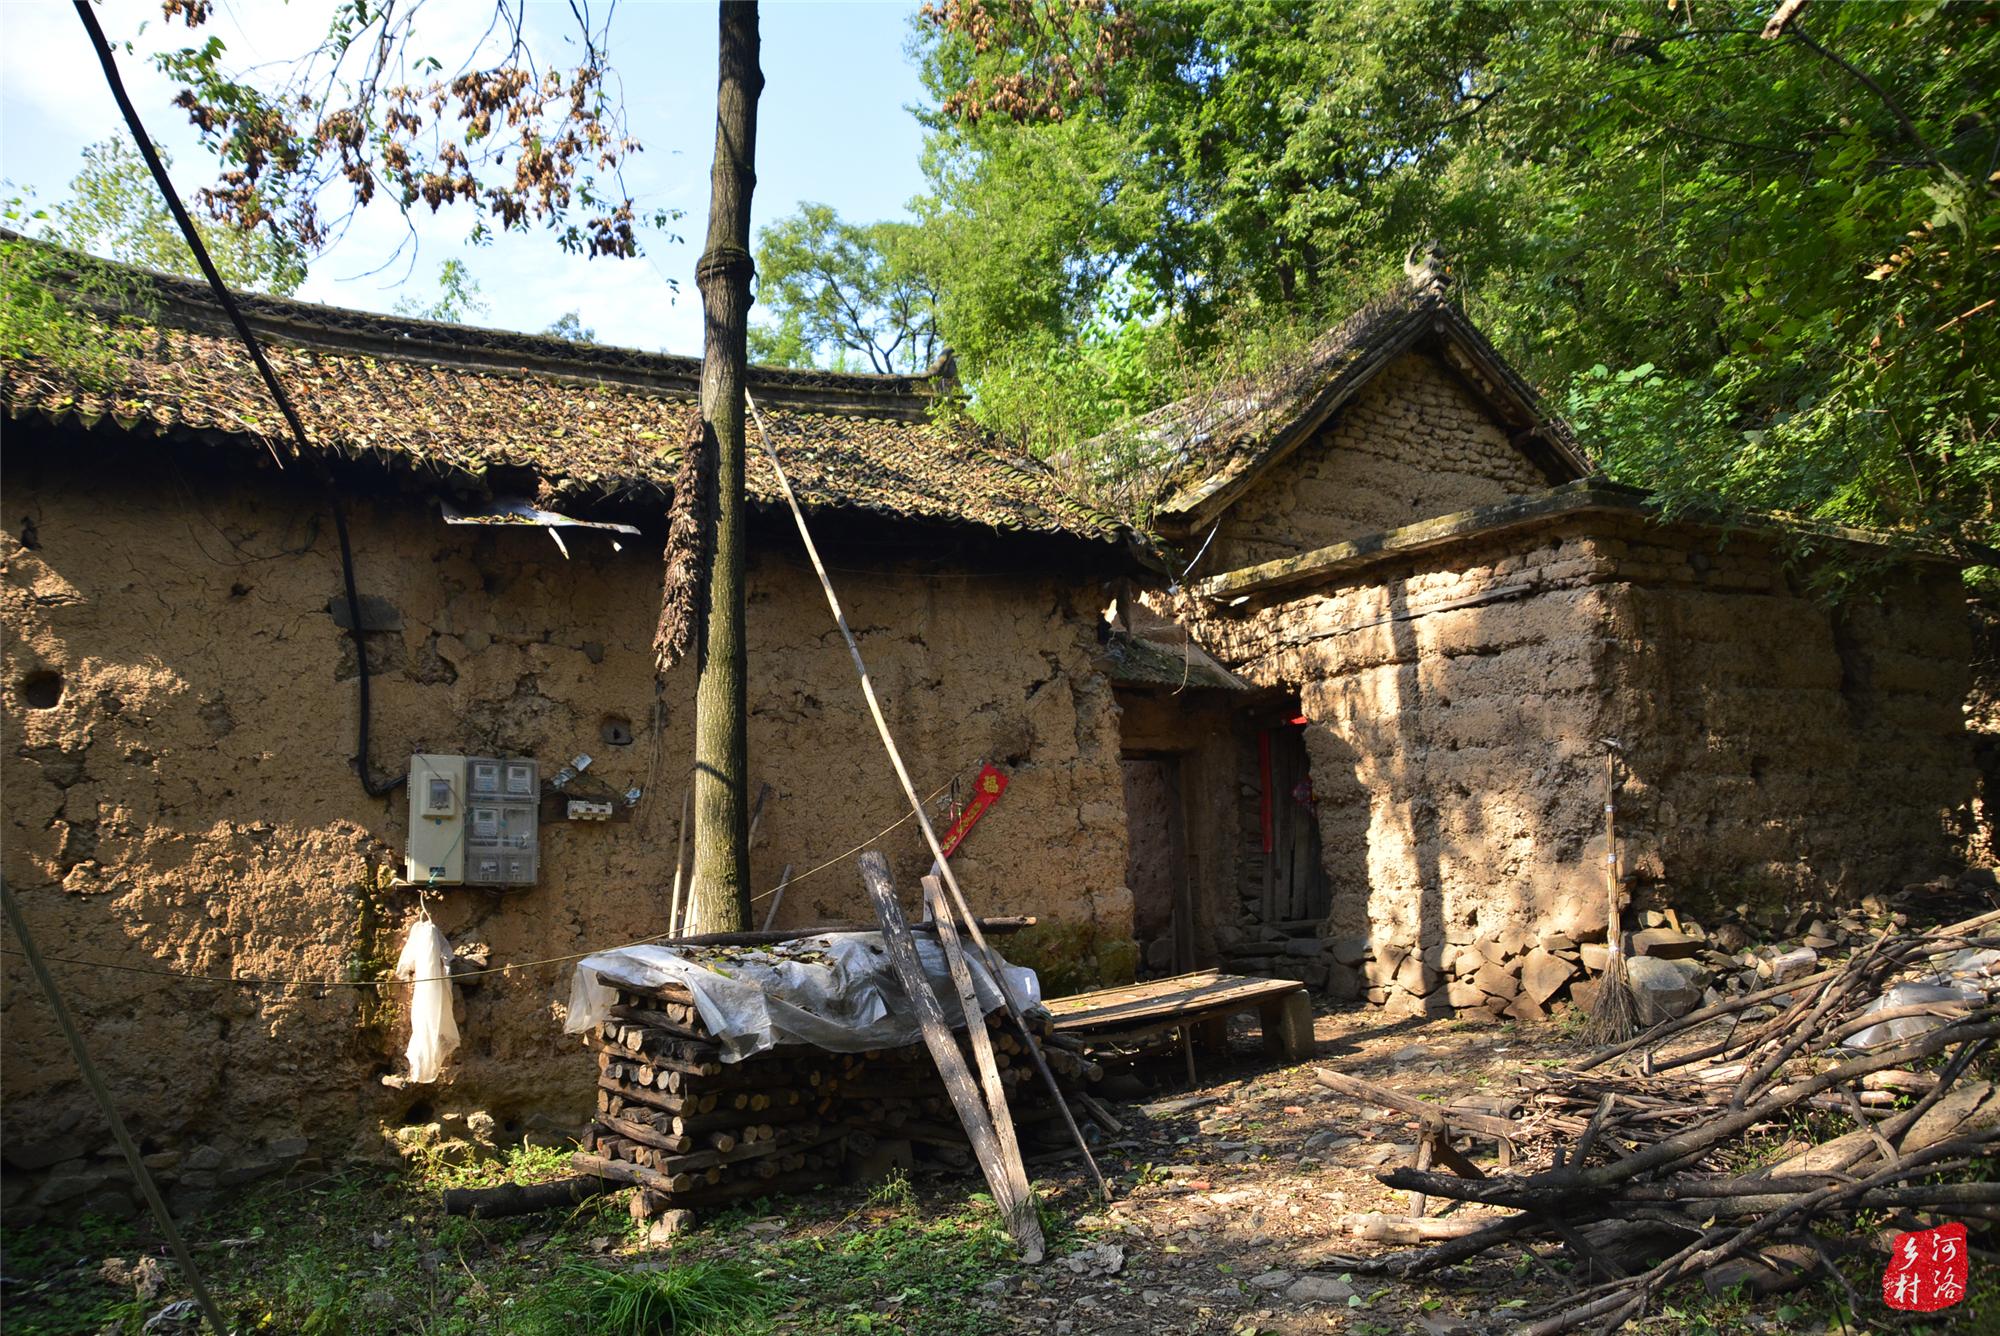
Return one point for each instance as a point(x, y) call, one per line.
point(1227, 1195)
point(1242, 1179)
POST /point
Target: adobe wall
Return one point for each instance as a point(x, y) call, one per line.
point(1414, 443)
point(189, 804)
point(1776, 747)
point(1784, 749)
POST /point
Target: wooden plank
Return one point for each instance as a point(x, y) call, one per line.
point(982, 1053)
point(1242, 990)
point(1018, 1212)
point(1166, 1000)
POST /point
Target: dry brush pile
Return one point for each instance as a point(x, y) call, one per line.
point(1711, 1146)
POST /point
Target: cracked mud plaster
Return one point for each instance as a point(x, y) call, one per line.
point(1776, 746)
point(189, 801)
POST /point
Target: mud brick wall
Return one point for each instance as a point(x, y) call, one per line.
point(179, 723)
point(1413, 444)
point(1784, 747)
point(1777, 744)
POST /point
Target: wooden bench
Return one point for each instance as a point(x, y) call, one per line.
point(1201, 1002)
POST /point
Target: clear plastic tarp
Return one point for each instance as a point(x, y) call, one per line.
point(836, 991)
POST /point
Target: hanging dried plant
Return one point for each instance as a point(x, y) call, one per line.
point(690, 526)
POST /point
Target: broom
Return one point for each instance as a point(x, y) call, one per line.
point(1614, 1012)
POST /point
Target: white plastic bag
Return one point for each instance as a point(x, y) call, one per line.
point(433, 1033)
point(1949, 998)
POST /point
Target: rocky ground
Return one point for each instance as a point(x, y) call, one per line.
point(1230, 1194)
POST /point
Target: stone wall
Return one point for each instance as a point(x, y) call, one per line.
point(1412, 444)
point(179, 725)
point(1776, 745)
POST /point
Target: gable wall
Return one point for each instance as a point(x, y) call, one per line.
point(190, 805)
point(1414, 443)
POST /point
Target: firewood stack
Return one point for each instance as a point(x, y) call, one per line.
point(1707, 1147)
point(690, 1130)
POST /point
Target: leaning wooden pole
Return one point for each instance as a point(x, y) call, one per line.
point(971, 920)
point(719, 897)
point(102, 1094)
point(999, 1157)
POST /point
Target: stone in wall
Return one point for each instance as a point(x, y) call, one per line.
point(1775, 746)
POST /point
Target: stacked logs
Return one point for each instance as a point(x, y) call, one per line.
point(689, 1130)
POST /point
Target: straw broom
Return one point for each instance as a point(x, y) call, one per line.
point(1614, 1012)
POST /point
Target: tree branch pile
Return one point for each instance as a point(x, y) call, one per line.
point(1713, 1144)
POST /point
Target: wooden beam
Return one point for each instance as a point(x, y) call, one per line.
point(982, 1051)
point(1016, 1209)
point(1434, 1114)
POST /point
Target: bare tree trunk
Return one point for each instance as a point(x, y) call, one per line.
point(720, 897)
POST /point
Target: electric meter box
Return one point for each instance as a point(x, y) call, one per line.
point(473, 821)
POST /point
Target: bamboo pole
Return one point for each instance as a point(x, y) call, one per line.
point(102, 1094)
point(958, 899)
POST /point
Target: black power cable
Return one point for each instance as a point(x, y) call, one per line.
point(375, 788)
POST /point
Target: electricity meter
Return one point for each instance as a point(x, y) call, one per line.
point(473, 821)
point(436, 852)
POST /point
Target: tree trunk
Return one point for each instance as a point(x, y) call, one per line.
point(720, 897)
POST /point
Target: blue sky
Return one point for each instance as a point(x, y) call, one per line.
point(833, 127)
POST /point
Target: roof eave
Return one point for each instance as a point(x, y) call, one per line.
point(1590, 495)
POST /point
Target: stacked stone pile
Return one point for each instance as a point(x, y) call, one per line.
point(1675, 964)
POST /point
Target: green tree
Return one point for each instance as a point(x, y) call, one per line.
point(458, 297)
point(1760, 266)
point(844, 292)
point(114, 211)
point(569, 325)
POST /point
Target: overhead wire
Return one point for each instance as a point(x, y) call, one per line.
point(227, 301)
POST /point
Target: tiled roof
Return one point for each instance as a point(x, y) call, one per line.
point(1215, 445)
point(590, 423)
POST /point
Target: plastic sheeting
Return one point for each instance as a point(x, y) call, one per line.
point(836, 991)
point(433, 1033)
point(1965, 979)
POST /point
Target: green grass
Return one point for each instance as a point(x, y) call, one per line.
point(368, 1252)
point(688, 1299)
point(895, 1270)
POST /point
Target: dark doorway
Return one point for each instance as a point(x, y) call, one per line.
point(1296, 895)
point(1156, 867)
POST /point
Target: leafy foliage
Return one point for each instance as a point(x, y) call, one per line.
point(1763, 267)
point(458, 297)
point(842, 292)
point(71, 311)
point(569, 325)
point(115, 211)
point(368, 113)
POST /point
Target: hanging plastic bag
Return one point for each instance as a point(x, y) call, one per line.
point(426, 958)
